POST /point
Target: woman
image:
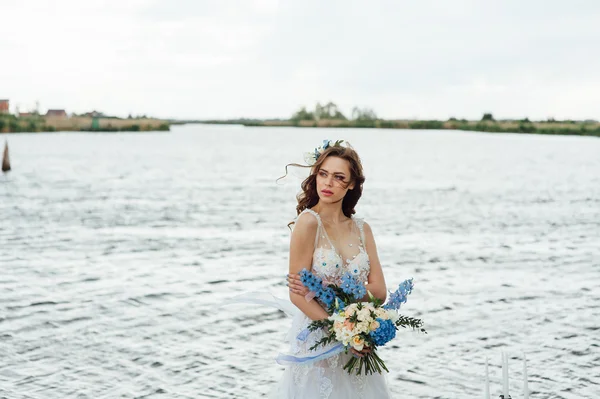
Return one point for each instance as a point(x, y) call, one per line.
point(328, 240)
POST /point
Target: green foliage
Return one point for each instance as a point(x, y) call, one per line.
point(13, 125)
point(303, 115)
point(366, 118)
point(387, 124)
point(330, 111)
point(482, 127)
point(364, 123)
point(526, 127)
point(433, 124)
point(363, 114)
point(327, 111)
point(370, 363)
point(415, 324)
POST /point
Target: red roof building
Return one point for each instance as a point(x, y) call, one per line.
point(4, 106)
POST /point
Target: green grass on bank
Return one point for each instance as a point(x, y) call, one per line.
point(36, 123)
point(329, 115)
point(523, 126)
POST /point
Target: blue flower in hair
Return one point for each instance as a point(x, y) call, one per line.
point(311, 157)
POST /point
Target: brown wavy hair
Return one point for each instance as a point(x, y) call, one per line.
point(309, 196)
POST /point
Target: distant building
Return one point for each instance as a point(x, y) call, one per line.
point(57, 113)
point(4, 106)
point(93, 114)
point(26, 114)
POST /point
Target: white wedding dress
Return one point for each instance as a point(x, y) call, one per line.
point(305, 377)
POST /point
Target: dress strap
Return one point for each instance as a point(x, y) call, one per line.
point(360, 223)
point(315, 214)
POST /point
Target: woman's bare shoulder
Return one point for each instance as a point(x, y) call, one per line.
point(304, 232)
point(306, 223)
point(367, 229)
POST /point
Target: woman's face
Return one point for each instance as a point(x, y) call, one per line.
point(333, 178)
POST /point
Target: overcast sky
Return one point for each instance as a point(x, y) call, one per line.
point(266, 58)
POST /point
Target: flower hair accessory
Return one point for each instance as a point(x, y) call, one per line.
point(311, 157)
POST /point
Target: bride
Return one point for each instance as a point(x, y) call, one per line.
point(329, 240)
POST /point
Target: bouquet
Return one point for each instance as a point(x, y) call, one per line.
point(358, 324)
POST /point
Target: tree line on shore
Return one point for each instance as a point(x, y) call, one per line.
point(329, 115)
point(331, 111)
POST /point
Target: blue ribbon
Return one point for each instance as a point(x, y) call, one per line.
point(289, 359)
point(303, 335)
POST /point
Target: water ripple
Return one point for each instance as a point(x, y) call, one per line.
point(116, 250)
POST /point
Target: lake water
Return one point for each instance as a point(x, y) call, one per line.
point(115, 250)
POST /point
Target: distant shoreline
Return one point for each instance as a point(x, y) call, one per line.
point(573, 128)
point(48, 124)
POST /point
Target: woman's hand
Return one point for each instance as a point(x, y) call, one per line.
point(295, 284)
point(361, 353)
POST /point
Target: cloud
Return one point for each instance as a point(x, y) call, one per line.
point(209, 59)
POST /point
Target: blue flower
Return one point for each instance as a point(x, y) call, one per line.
point(305, 276)
point(327, 296)
point(385, 333)
point(353, 287)
point(359, 291)
point(398, 297)
point(315, 284)
point(325, 144)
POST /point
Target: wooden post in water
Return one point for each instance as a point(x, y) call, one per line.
point(5, 160)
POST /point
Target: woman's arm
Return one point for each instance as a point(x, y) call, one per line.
point(376, 282)
point(302, 246)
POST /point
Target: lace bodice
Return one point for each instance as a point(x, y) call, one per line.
point(348, 254)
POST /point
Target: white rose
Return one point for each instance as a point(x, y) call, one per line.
point(393, 315)
point(350, 310)
point(363, 314)
point(345, 337)
point(363, 327)
point(337, 317)
point(382, 314)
